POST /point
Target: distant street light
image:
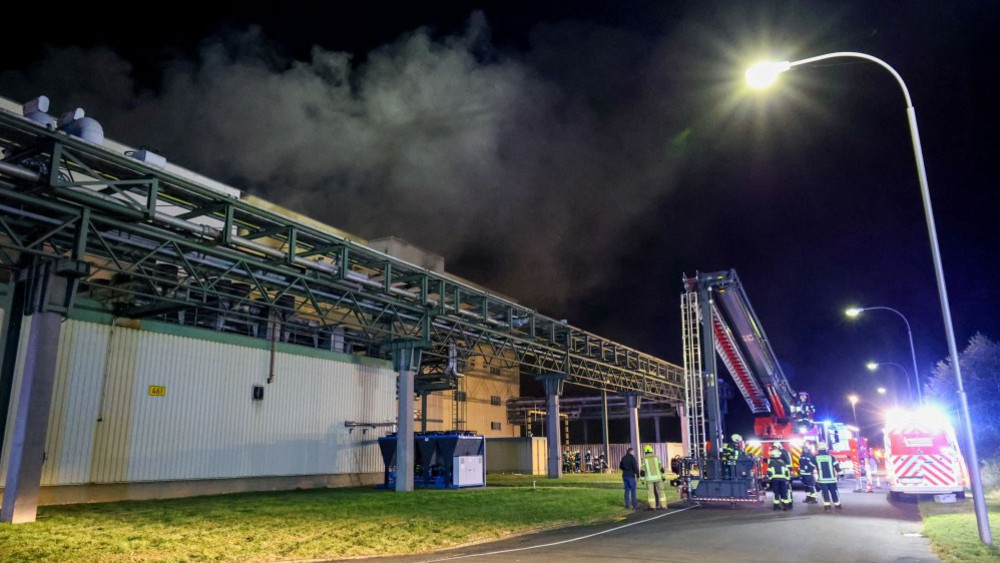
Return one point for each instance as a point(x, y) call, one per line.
point(855, 311)
point(761, 75)
point(873, 366)
point(881, 390)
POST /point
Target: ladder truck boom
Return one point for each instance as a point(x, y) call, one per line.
point(720, 326)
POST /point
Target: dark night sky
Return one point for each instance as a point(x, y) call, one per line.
point(583, 158)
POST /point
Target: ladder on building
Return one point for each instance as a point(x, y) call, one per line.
point(694, 386)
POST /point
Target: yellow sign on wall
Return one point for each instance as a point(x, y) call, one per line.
point(157, 391)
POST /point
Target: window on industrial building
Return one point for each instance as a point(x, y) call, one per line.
point(494, 370)
point(495, 400)
point(494, 426)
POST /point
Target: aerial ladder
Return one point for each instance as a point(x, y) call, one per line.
point(720, 326)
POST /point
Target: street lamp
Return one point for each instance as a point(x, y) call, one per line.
point(857, 468)
point(854, 312)
point(873, 366)
point(759, 76)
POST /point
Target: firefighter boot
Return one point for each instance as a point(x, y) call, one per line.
point(776, 506)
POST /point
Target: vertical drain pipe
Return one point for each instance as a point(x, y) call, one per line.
point(274, 326)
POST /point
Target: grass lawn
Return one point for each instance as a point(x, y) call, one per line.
point(367, 522)
point(312, 524)
point(954, 531)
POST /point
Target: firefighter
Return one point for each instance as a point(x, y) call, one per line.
point(652, 475)
point(827, 472)
point(728, 455)
point(779, 480)
point(782, 453)
point(807, 472)
point(738, 444)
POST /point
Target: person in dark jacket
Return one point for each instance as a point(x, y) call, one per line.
point(807, 473)
point(630, 470)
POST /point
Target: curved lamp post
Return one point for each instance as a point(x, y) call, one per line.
point(762, 75)
point(854, 312)
point(872, 366)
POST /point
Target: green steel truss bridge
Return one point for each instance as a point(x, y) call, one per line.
point(143, 239)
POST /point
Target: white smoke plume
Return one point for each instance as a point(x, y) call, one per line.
point(523, 183)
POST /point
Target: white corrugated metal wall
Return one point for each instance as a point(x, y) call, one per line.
point(106, 427)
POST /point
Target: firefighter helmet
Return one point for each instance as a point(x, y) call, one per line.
point(648, 449)
point(737, 438)
point(775, 453)
point(822, 447)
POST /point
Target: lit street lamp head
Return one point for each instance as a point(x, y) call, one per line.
point(763, 74)
point(872, 366)
point(854, 311)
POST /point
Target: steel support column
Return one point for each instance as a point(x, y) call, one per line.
point(553, 383)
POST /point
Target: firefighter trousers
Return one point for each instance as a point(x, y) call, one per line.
point(781, 492)
point(809, 483)
point(830, 493)
point(655, 495)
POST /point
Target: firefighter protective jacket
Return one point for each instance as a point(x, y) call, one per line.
point(828, 467)
point(653, 468)
point(777, 469)
point(807, 463)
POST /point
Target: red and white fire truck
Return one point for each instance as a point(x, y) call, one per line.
point(847, 446)
point(922, 454)
point(793, 436)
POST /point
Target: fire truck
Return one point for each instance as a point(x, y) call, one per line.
point(721, 327)
point(922, 454)
point(848, 447)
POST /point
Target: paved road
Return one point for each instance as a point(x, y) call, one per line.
point(869, 529)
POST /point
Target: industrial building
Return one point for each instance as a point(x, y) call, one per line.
point(168, 335)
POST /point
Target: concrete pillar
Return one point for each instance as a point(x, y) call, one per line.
point(633, 399)
point(553, 383)
point(604, 431)
point(27, 449)
point(656, 427)
point(49, 290)
point(406, 360)
point(404, 435)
